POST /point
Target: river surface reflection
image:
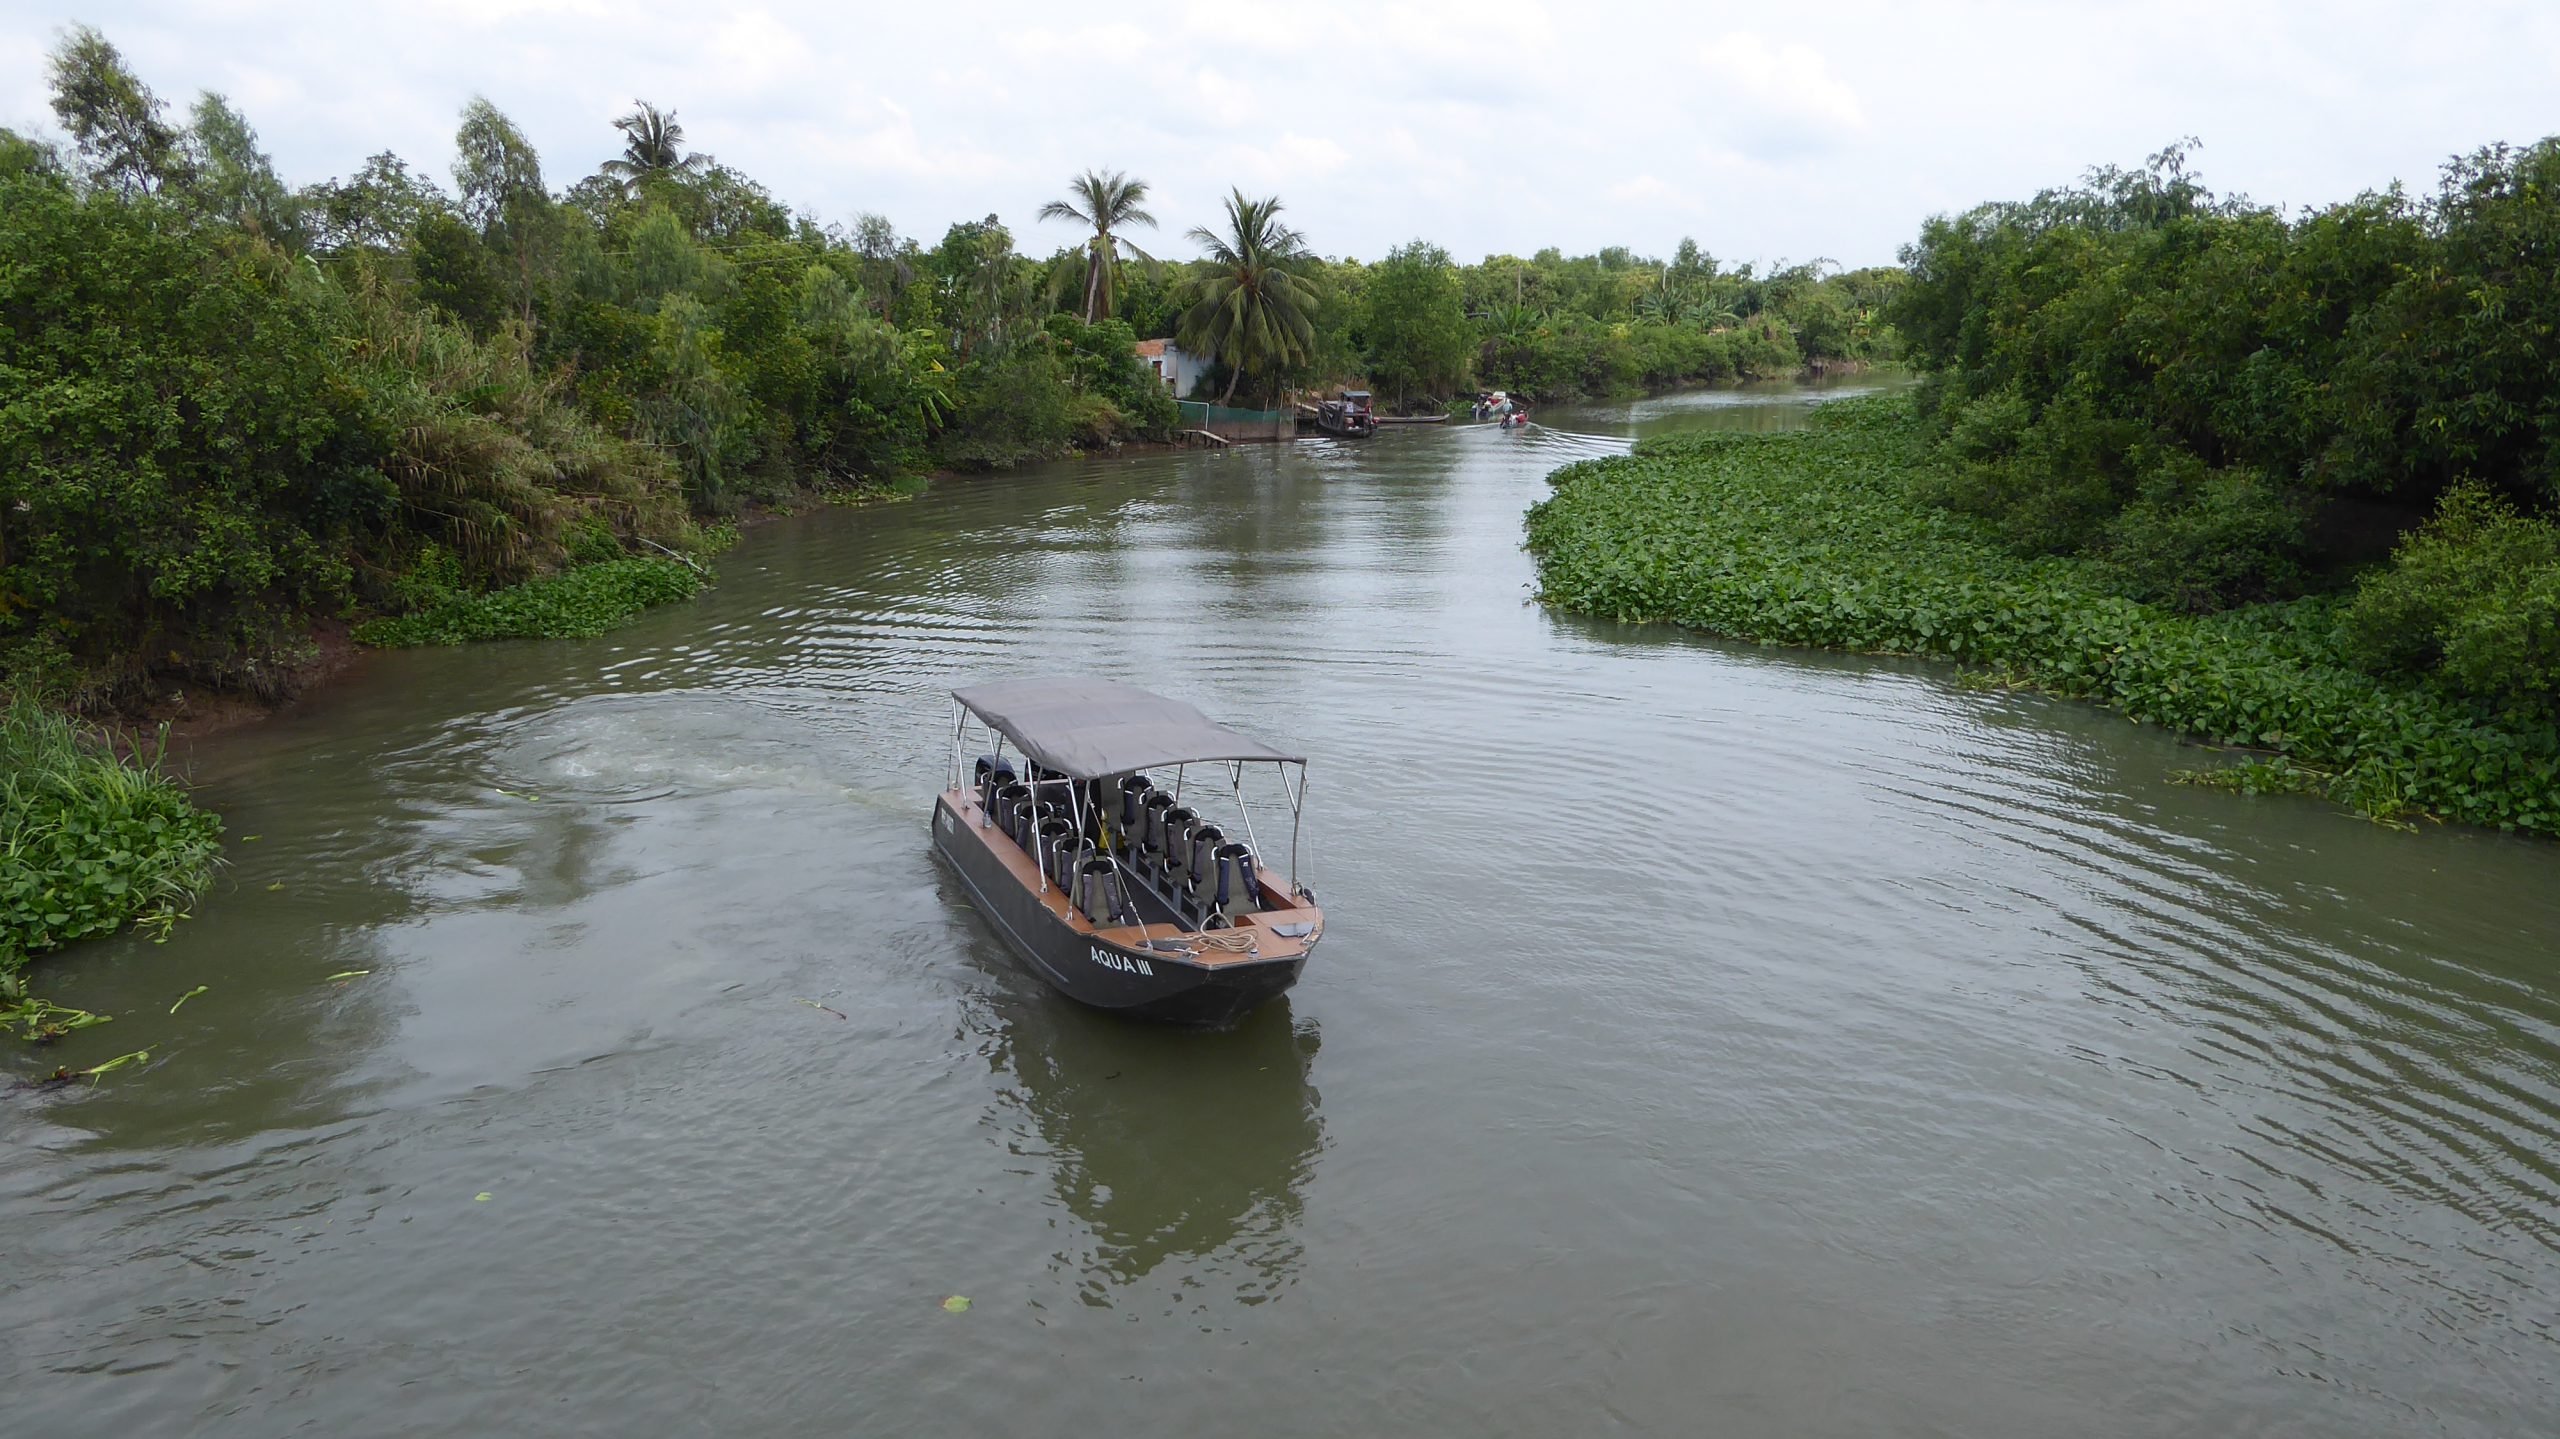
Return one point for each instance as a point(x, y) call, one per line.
point(1709, 1038)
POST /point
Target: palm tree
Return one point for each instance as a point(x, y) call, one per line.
point(1254, 306)
point(653, 145)
point(1106, 202)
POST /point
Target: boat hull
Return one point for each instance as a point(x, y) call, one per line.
point(1110, 970)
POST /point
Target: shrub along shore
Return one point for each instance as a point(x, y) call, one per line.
point(1826, 538)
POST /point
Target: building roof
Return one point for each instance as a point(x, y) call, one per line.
point(1088, 728)
point(1152, 349)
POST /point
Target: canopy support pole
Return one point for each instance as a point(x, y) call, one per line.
point(1297, 821)
point(1235, 781)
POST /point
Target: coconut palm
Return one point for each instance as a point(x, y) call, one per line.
point(1254, 308)
point(1106, 202)
point(653, 145)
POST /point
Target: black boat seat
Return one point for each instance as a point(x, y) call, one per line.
point(993, 774)
point(1174, 866)
point(1012, 806)
point(1068, 861)
point(1129, 818)
point(1151, 810)
point(1053, 833)
point(1236, 892)
point(1200, 867)
point(1098, 895)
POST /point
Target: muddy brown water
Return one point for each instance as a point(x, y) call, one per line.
point(1709, 1039)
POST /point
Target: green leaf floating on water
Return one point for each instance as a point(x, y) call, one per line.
point(346, 974)
point(190, 994)
point(956, 1304)
point(483, 1197)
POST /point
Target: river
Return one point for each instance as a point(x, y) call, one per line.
point(1708, 1039)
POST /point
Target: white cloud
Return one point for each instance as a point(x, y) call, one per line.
point(1650, 190)
point(1783, 98)
point(1484, 125)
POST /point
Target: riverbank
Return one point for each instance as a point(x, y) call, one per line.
point(1816, 538)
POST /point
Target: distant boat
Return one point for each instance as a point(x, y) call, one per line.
point(1089, 850)
point(1349, 415)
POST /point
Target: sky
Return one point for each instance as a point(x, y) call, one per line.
point(1768, 133)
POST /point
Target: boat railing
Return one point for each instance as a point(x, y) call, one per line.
point(1099, 824)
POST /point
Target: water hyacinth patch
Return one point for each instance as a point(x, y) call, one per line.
point(1816, 538)
point(89, 843)
point(575, 604)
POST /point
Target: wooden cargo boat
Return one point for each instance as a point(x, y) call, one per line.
point(1096, 849)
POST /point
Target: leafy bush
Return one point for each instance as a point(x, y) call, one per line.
point(2474, 599)
point(88, 843)
point(164, 485)
point(576, 604)
point(2201, 540)
point(1014, 410)
point(1821, 538)
point(2226, 405)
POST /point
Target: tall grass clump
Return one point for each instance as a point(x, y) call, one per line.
point(1822, 538)
point(89, 842)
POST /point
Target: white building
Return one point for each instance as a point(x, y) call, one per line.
point(1180, 370)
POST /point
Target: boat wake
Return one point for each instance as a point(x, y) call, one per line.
point(634, 749)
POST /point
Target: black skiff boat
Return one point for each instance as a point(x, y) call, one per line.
point(1113, 847)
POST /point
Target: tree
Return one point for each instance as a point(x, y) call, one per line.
point(170, 483)
point(232, 180)
point(1251, 307)
point(653, 145)
point(1106, 202)
point(495, 169)
point(23, 157)
point(1415, 319)
point(113, 117)
point(376, 208)
point(973, 275)
point(498, 181)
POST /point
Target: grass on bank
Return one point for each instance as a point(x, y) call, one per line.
point(1816, 538)
point(89, 842)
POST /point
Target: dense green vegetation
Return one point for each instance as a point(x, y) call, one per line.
point(2216, 406)
point(1830, 538)
point(88, 843)
point(2290, 483)
point(237, 406)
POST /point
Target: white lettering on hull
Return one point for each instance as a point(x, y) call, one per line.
point(1112, 959)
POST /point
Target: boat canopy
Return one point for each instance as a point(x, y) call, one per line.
point(1089, 728)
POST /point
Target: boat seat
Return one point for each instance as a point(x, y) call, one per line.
point(1068, 861)
point(993, 774)
point(1098, 894)
point(1200, 868)
point(1053, 834)
point(1236, 892)
point(1130, 817)
point(1012, 806)
point(1174, 867)
point(1151, 810)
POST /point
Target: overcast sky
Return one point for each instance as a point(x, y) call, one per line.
point(1766, 131)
